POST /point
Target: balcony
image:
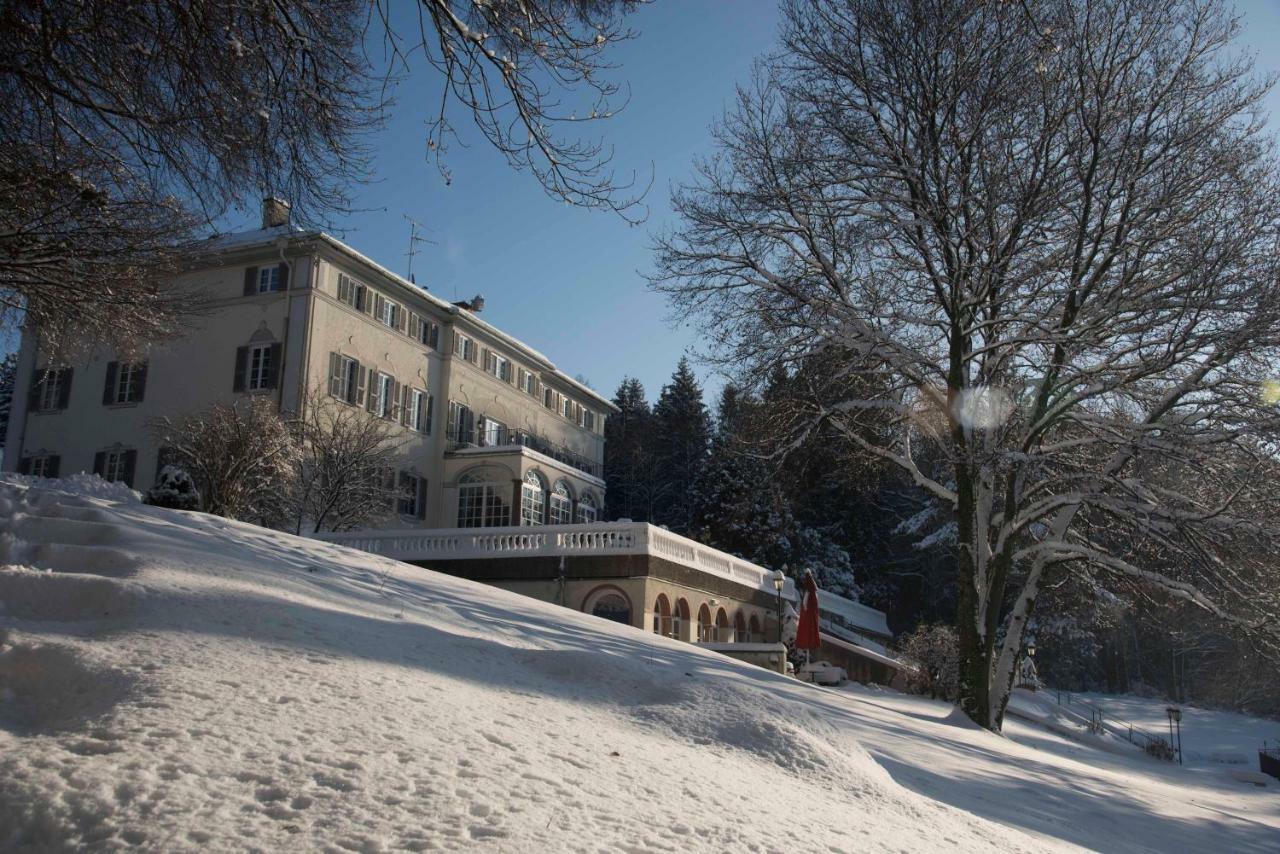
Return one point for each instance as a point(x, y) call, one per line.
point(497, 436)
point(597, 539)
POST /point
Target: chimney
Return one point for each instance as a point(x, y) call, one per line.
point(274, 212)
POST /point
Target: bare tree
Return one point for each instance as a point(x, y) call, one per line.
point(127, 124)
point(345, 468)
point(242, 456)
point(512, 65)
point(1047, 231)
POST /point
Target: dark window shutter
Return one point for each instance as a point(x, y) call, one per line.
point(421, 505)
point(284, 276)
point(52, 466)
point(276, 360)
point(130, 463)
point(64, 391)
point(140, 383)
point(395, 409)
point(24, 465)
point(109, 388)
point(361, 390)
point(100, 463)
point(250, 281)
point(431, 405)
point(371, 390)
point(242, 358)
point(335, 375)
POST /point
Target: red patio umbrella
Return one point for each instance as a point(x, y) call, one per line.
point(807, 631)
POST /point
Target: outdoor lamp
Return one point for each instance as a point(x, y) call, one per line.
point(1031, 650)
point(779, 580)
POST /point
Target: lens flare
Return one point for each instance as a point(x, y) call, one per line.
point(984, 408)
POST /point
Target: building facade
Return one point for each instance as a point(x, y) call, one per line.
point(493, 434)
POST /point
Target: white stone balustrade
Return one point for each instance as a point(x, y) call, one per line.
point(596, 539)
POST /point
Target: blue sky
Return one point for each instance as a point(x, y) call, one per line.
point(569, 281)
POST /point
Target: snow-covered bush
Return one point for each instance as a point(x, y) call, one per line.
point(934, 650)
point(174, 489)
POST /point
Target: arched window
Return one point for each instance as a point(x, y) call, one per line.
point(662, 616)
point(679, 619)
point(586, 510)
point(706, 630)
point(560, 505)
point(532, 499)
point(480, 503)
point(612, 606)
point(740, 629)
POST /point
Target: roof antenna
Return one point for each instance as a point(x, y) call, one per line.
point(414, 240)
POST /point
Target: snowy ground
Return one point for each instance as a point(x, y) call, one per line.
point(179, 682)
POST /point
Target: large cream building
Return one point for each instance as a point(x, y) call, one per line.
point(494, 434)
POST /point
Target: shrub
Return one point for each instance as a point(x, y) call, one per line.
point(174, 489)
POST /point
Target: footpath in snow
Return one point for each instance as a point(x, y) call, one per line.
point(174, 681)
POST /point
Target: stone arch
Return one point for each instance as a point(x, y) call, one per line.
point(706, 629)
point(609, 602)
point(681, 626)
point(740, 628)
point(662, 616)
point(754, 631)
point(722, 627)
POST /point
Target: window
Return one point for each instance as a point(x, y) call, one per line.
point(258, 367)
point(43, 465)
point(391, 314)
point(480, 504)
point(461, 427)
point(384, 405)
point(586, 513)
point(589, 420)
point(532, 499)
point(499, 366)
point(50, 389)
point(425, 331)
point(464, 347)
point(560, 505)
point(492, 433)
point(115, 466)
point(126, 382)
point(419, 409)
point(612, 606)
point(268, 279)
point(345, 377)
point(566, 408)
point(529, 383)
point(548, 398)
point(412, 500)
point(353, 293)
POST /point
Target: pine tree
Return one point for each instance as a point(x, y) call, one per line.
point(8, 376)
point(680, 439)
point(627, 455)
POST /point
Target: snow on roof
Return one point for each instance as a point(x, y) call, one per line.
point(864, 652)
point(854, 613)
point(268, 236)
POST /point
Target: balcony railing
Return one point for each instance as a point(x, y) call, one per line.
point(595, 539)
point(501, 437)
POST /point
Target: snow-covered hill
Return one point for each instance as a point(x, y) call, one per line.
point(179, 682)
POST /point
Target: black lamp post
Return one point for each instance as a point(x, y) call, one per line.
point(779, 581)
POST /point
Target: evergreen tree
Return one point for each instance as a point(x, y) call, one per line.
point(681, 436)
point(627, 455)
point(8, 376)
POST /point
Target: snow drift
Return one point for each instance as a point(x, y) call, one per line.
point(175, 681)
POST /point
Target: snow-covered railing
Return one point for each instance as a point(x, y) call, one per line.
point(591, 540)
